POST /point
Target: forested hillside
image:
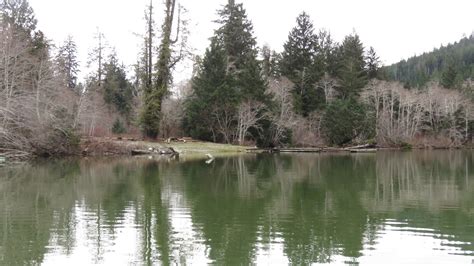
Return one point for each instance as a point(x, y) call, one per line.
point(451, 65)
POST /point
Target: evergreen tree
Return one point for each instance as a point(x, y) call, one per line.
point(210, 89)
point(448, 78)
point(20, 15)
point(269, 63)
point(118, 90)
point(373, 64)
point(343, 121)
point(352, 73)
point(416, 71)
point(67, 61)
point(118, 127)
point(97, 55)
point(236, 35)
point(327, 56)
point(300, 64)
point(229, 74)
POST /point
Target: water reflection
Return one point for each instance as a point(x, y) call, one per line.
point(301, 209)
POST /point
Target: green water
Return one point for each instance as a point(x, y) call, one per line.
point(415, 207)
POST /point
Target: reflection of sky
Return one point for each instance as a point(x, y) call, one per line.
point(396, 243)
point(413, 246)
point(122, 248)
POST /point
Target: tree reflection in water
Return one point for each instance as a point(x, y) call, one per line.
point(238, 210)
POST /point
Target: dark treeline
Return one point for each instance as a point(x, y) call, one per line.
point(451, 65)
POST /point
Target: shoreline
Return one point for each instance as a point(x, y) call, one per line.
point(189, 149)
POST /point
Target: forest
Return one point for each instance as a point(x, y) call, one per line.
point(450, 66)
point(316, 92)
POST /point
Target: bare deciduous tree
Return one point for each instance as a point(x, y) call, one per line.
point(248, 115)
point(283, 117)
point(328, 85)
point(224, 116)
point(402, 115)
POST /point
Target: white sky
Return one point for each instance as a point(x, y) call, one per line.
point(396, 29)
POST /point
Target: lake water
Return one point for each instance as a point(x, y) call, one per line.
point(413, 207)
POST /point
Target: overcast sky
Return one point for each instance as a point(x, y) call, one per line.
point(396, 29)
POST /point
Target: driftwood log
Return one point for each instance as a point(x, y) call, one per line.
point(363, 150)
point(150, 151)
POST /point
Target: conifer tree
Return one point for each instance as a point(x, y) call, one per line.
point(448, 78)
point(299, 63)
point(210, 89)
point(373, 64)
point(67, 61)
point(352, 73)
point(117, 88)
point(269, 63)
point(229, 74)
point(236, 35)
point(97, 55)
point(20, 15)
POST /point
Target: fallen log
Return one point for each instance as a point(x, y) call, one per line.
point(162, 151)
point(307, 150)
point(141, 152)
point(167, 151)
point(363, 150)
point(261, 150)
point(364, 146)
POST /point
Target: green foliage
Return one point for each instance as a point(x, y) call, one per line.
point(440, 64)
point(210, 88)
point(150, 115)
point(406, 146)
point(118, 90)
point(20, 15)
point(301, 64)
point(373, 64)
point(352, 73)
point(270, 67)
point(67, 61)
point(448, 78)
point(236, 35)
point(228, 74)
point(155, 90)
point(343, 121)
point(118, 127)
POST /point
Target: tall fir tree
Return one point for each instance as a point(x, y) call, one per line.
point(301, 64)
point(19, 15)
point(448, 78)
point(236, 35)
point(229, 74)
point(352, 73)
point(97, 56)
point(117, 89)
point(210, 89)
point(372, 63)
point(270, 61)
point(67, 61)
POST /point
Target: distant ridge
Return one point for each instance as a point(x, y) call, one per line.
point(450, 65)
